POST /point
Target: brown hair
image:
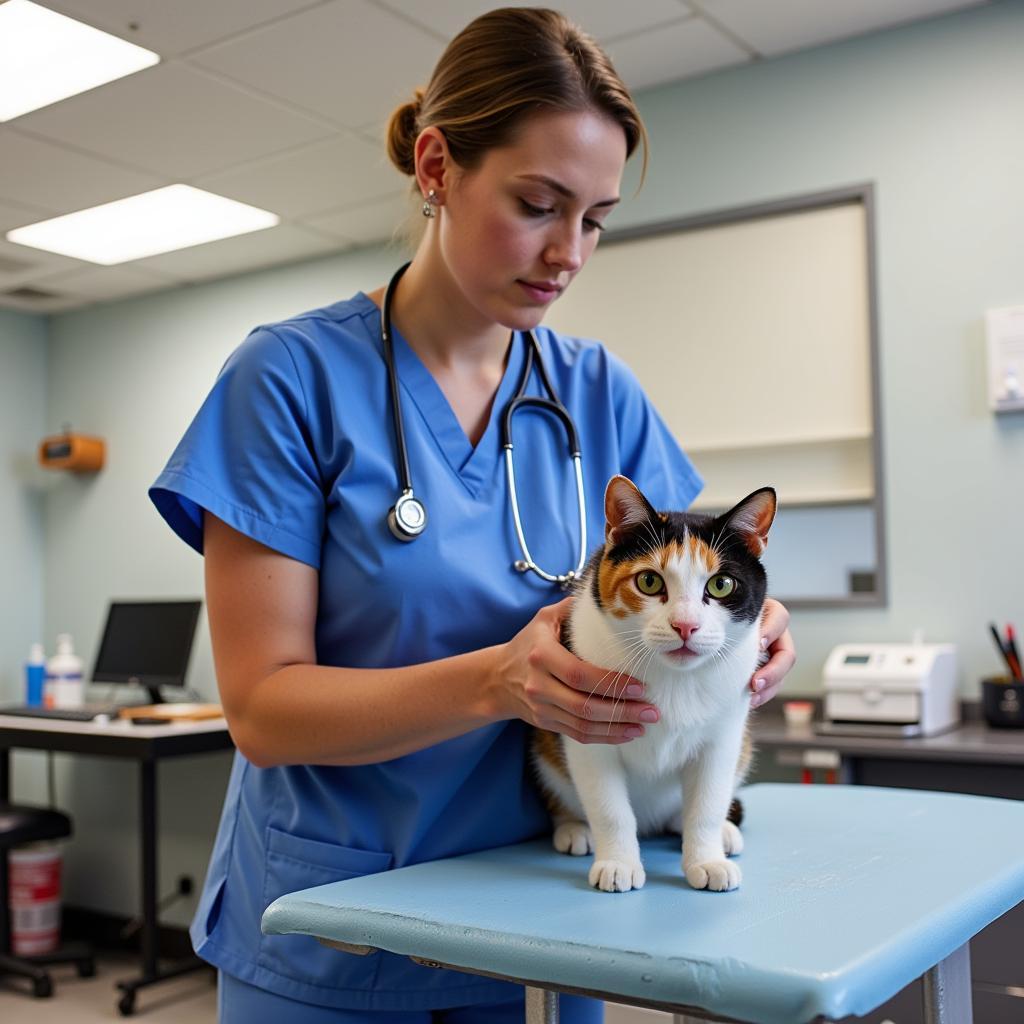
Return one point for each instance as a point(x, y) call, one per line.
point(499, 69)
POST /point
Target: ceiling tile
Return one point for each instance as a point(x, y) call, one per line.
point(14, 216)
point(283, 244)
point(51, 178)
point(97, 284)
point(667, 54)
point(599, 18)
point(357, 61)
point(21, 264)
point(171, 28)
point(377, 220)
point(175, 121)
point(341, 171)
point(786, 25)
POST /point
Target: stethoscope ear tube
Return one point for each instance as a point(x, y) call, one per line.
point(407, 518)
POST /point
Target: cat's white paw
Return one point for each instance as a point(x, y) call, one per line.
point(617, 875)
point(573, 837)
point(716, 875)
point(732, 839)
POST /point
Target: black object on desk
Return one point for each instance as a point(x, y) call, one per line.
point(1002, 701)
point(146, 745)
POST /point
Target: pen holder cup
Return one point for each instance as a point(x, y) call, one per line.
point(1002, 701)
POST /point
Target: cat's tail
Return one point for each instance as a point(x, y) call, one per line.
point(735, 814)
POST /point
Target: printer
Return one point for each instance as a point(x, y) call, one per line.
point(877, 689)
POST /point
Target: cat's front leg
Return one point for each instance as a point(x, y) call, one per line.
point(708, 783)
point(600, 780)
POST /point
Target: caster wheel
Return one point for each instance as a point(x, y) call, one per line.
point(126, 1004)
point(86, 968)
point(42, 988)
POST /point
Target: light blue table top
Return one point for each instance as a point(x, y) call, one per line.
point(849, 893)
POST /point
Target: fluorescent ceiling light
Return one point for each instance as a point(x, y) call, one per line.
point(46, 57)
point(173, 217)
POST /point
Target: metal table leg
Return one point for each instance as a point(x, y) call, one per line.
point(541, 1006)
point(947, 989)
point(150, 932)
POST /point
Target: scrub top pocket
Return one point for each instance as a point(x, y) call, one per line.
point(294, 863)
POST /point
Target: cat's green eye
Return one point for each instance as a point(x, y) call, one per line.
point(720, 586)
point(649, 583)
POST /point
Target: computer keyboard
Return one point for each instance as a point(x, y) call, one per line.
point(86, 714)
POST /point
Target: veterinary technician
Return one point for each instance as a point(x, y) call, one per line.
point(379, 687)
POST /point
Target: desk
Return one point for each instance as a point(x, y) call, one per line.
point(146, 744)
point(849, 894)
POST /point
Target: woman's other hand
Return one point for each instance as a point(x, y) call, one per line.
point(546, 685)
point(778, 642)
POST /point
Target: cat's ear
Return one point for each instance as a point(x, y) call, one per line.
point(624, 507)
point(752, 518)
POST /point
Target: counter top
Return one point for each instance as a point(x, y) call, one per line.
point(973, 741)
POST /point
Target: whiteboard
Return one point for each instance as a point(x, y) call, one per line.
point(752, 339)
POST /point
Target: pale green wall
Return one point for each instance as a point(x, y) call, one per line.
point(23, 349)
point(930, 113)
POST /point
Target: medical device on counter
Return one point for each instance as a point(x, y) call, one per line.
point(891, 690)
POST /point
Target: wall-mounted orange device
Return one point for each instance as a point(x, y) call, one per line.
point(76, 452)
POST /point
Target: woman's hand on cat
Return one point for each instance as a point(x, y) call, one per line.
point(546, 685)
point(777, 642)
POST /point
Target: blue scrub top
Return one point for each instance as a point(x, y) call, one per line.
point(294, 447)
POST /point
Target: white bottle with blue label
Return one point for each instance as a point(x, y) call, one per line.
point(65, 687)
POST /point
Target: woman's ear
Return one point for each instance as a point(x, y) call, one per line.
point(433, 163)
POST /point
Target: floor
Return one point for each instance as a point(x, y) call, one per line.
point(191, 998)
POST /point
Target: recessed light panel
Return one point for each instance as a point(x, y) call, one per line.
point(46, 57)
point(165, 219)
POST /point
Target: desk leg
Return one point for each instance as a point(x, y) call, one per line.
point(947, 989)
point(150, 931)
point(5, 775)
point(147, 813)
point(541, 1006)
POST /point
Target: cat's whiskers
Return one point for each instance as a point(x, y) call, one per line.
point(632, 661)
point(628, 651)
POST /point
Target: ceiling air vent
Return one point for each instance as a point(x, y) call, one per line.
point(30, 294)
point(12, 266)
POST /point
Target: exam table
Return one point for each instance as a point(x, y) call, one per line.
point(849, 894)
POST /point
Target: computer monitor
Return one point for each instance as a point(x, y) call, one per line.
point(147, 643)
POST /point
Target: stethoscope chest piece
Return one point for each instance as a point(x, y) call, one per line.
point(407, 518)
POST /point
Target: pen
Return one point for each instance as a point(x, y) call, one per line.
point(1011, 648)
point(1013, 666)
point(1011, 641)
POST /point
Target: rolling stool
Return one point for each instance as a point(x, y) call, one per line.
point(19, 825)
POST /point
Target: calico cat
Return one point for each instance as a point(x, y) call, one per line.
point(673, 599)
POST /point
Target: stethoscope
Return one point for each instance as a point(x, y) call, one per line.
point(407, 518)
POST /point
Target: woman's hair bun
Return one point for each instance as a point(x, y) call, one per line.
point(402, 132)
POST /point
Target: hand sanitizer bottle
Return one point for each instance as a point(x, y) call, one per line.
point(64, 686)
point(35, 676)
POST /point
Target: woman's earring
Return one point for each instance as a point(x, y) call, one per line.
point(430, 204)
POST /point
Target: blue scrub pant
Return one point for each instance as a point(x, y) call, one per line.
point(241, 1003)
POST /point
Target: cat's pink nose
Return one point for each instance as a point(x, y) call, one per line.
point(684, 629)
